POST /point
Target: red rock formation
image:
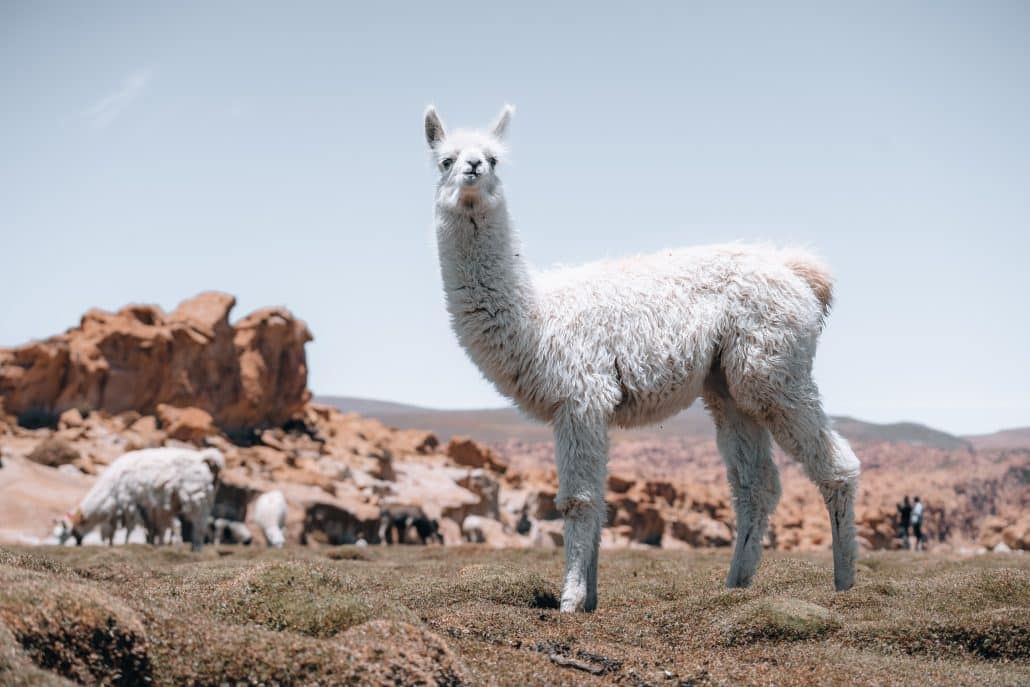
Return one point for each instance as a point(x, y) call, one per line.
point(465, 451)
point(253, 374)
point(186, 424)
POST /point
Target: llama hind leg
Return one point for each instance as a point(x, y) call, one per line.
point(801, 427)
point(746, 448)
point(582, 453)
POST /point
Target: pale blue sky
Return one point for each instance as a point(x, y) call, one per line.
point(275, 151)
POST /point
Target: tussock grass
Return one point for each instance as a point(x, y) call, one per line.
point(782, 619)
point(471, 615)
point(312, 599)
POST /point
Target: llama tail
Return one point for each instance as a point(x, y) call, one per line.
point(815, 273)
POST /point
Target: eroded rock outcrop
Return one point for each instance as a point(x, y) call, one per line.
point(247, 375)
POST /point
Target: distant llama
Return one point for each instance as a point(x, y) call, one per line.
point(631, 342)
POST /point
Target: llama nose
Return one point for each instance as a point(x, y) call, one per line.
point(474, 164)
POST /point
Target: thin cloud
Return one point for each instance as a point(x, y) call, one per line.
point(102, 113)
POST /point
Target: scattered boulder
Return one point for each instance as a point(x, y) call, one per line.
point(699, 530)
point(465, 451)
point(189, 424)
point(70, 418)
point(483, 485)
point(1017, 535)
point(619, 485)
point(416, 441)
point(638, 521)
point(991, 531)
point(542, 505)
point(144, 433)
point(54, 452)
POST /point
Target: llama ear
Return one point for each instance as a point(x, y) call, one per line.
point(434, 127)
point(500, 127)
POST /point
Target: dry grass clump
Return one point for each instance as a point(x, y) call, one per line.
point(73, 629)
point(28, 561)
point(779, 619)
point(312, 599)
point(472, 615)
point(17, 669)
point(390, 653)
point(487, 583)
point(349, 553)
point(1002, 633)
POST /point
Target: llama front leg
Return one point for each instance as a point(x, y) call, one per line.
point(746, 448)
point(198, 526)
point(582, 454)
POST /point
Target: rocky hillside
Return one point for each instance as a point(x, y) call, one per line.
point(140, 377)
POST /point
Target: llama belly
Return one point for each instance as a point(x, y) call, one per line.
point(650, 394)
point(651, 408)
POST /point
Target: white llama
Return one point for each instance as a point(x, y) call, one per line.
point(631, 342)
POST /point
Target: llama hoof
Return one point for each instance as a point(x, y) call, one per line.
point(736, 581)
point(575, 603)
point(843, 585)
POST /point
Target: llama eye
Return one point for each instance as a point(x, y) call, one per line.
point(447, 162)
point(492, 161)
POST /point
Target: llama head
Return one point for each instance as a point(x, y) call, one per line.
point(68, 526)
point(467, 162)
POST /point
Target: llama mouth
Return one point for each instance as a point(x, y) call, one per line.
point(469, 177)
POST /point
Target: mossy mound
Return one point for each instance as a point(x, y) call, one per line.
point(994, 634)
point(312, 599)
point(491, 583)
point(349, 553)
point(776, 619)
point(390, 652)
point(74, 629)
point(16, 670)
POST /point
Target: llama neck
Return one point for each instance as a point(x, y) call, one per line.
point(489, 293)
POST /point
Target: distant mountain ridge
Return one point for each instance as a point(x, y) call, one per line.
point(503, 424)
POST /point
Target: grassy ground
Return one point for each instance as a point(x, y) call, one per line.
point(412, 615)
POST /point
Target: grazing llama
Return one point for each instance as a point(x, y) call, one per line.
point(631, 342)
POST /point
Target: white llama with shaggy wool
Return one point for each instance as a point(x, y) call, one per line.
point(633, 341)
